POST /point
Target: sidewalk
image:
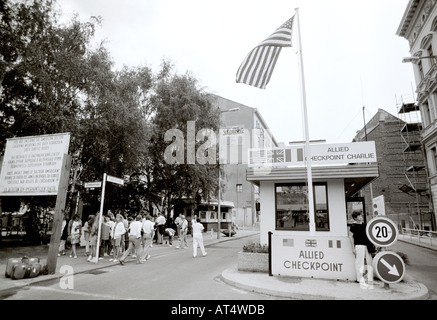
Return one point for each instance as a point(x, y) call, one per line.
point(284, 287)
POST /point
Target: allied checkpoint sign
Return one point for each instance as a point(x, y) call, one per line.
point(321, 154)
point(324, 257)
point(32, 165)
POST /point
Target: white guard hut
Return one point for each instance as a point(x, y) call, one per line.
point(302, 245)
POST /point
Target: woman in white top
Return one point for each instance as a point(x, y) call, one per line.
point(198, 238)
point(76, 228)
point(118, 232)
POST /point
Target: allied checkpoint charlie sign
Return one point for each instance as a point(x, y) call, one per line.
point(326, 254)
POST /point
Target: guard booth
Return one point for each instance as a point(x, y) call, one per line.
point(302, 245)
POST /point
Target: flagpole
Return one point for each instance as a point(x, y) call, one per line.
point(307, 139)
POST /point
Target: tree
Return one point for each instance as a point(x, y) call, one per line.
point(180, 103)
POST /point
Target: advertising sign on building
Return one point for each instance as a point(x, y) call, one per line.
point(32, 165)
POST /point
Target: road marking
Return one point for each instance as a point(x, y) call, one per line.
point(82, 293)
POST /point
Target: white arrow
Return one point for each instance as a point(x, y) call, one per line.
point(393, 270)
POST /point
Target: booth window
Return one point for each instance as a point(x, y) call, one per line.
point(292, 210)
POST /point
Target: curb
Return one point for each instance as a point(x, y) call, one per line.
point(319, 289)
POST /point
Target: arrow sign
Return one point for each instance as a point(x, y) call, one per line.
point(393, 270)
point(389, 267)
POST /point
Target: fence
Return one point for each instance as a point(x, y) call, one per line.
point(419, 236)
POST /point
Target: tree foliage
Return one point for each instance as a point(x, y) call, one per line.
point(52, 81)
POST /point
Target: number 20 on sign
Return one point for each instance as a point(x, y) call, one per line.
point(382, 232)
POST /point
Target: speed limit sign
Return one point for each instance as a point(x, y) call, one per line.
point(382, 232)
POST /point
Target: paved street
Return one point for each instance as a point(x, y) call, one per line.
point(171, 274)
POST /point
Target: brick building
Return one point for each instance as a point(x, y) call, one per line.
point(402, 176)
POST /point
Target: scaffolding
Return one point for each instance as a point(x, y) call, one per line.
point(414, 164)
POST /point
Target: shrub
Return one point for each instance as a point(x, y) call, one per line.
point(255, 247)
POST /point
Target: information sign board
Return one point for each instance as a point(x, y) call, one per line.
point(32, 165)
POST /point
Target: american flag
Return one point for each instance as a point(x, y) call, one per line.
point(257, 68)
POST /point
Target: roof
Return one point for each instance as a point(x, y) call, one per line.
point(407, 18)
point(355, 176)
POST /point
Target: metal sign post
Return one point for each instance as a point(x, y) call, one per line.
point(102, 201)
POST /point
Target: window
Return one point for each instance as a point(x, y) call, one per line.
point(431, 54)
point(433, 165)
point(239, 188)
point(426, 115)
point(292, 211)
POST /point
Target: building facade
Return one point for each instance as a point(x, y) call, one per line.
point(419, 27)
point(402, 181)
point(241, 131)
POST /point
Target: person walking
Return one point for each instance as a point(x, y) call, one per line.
point(198, 238)
point(178, 222)
point(76, 228)
point(363, 258)
point(118, 237)
point(183, 243)
point(160, 224)
point(105, 234)
point(134, 240)
point(111, 223)
point(148, 231)
point(86, 235)
point(64, 236)
point(94, 257)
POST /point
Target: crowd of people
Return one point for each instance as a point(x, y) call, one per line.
point(123, 235)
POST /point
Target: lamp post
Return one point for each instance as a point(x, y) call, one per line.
point(219, 211)
point(416, 59)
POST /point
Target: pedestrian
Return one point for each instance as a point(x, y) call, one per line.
point(178, 222)
point(134, 240)
point(76, 228)
point(64, 235)
point(86, 235)
point(94, 257)
point(105, 236)
point(198, 238)
point(183, 243)
point(118, 237)
point(111, 223)
point(160, 224)
point(148, 231)
point(362, 244)
point(170, 232)
point(125, 241)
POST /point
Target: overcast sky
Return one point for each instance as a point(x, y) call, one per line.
point(352, 55)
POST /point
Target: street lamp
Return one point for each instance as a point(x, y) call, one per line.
point(219, 211)
point(416, 59)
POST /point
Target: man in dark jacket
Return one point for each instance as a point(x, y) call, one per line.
point(363, 258)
